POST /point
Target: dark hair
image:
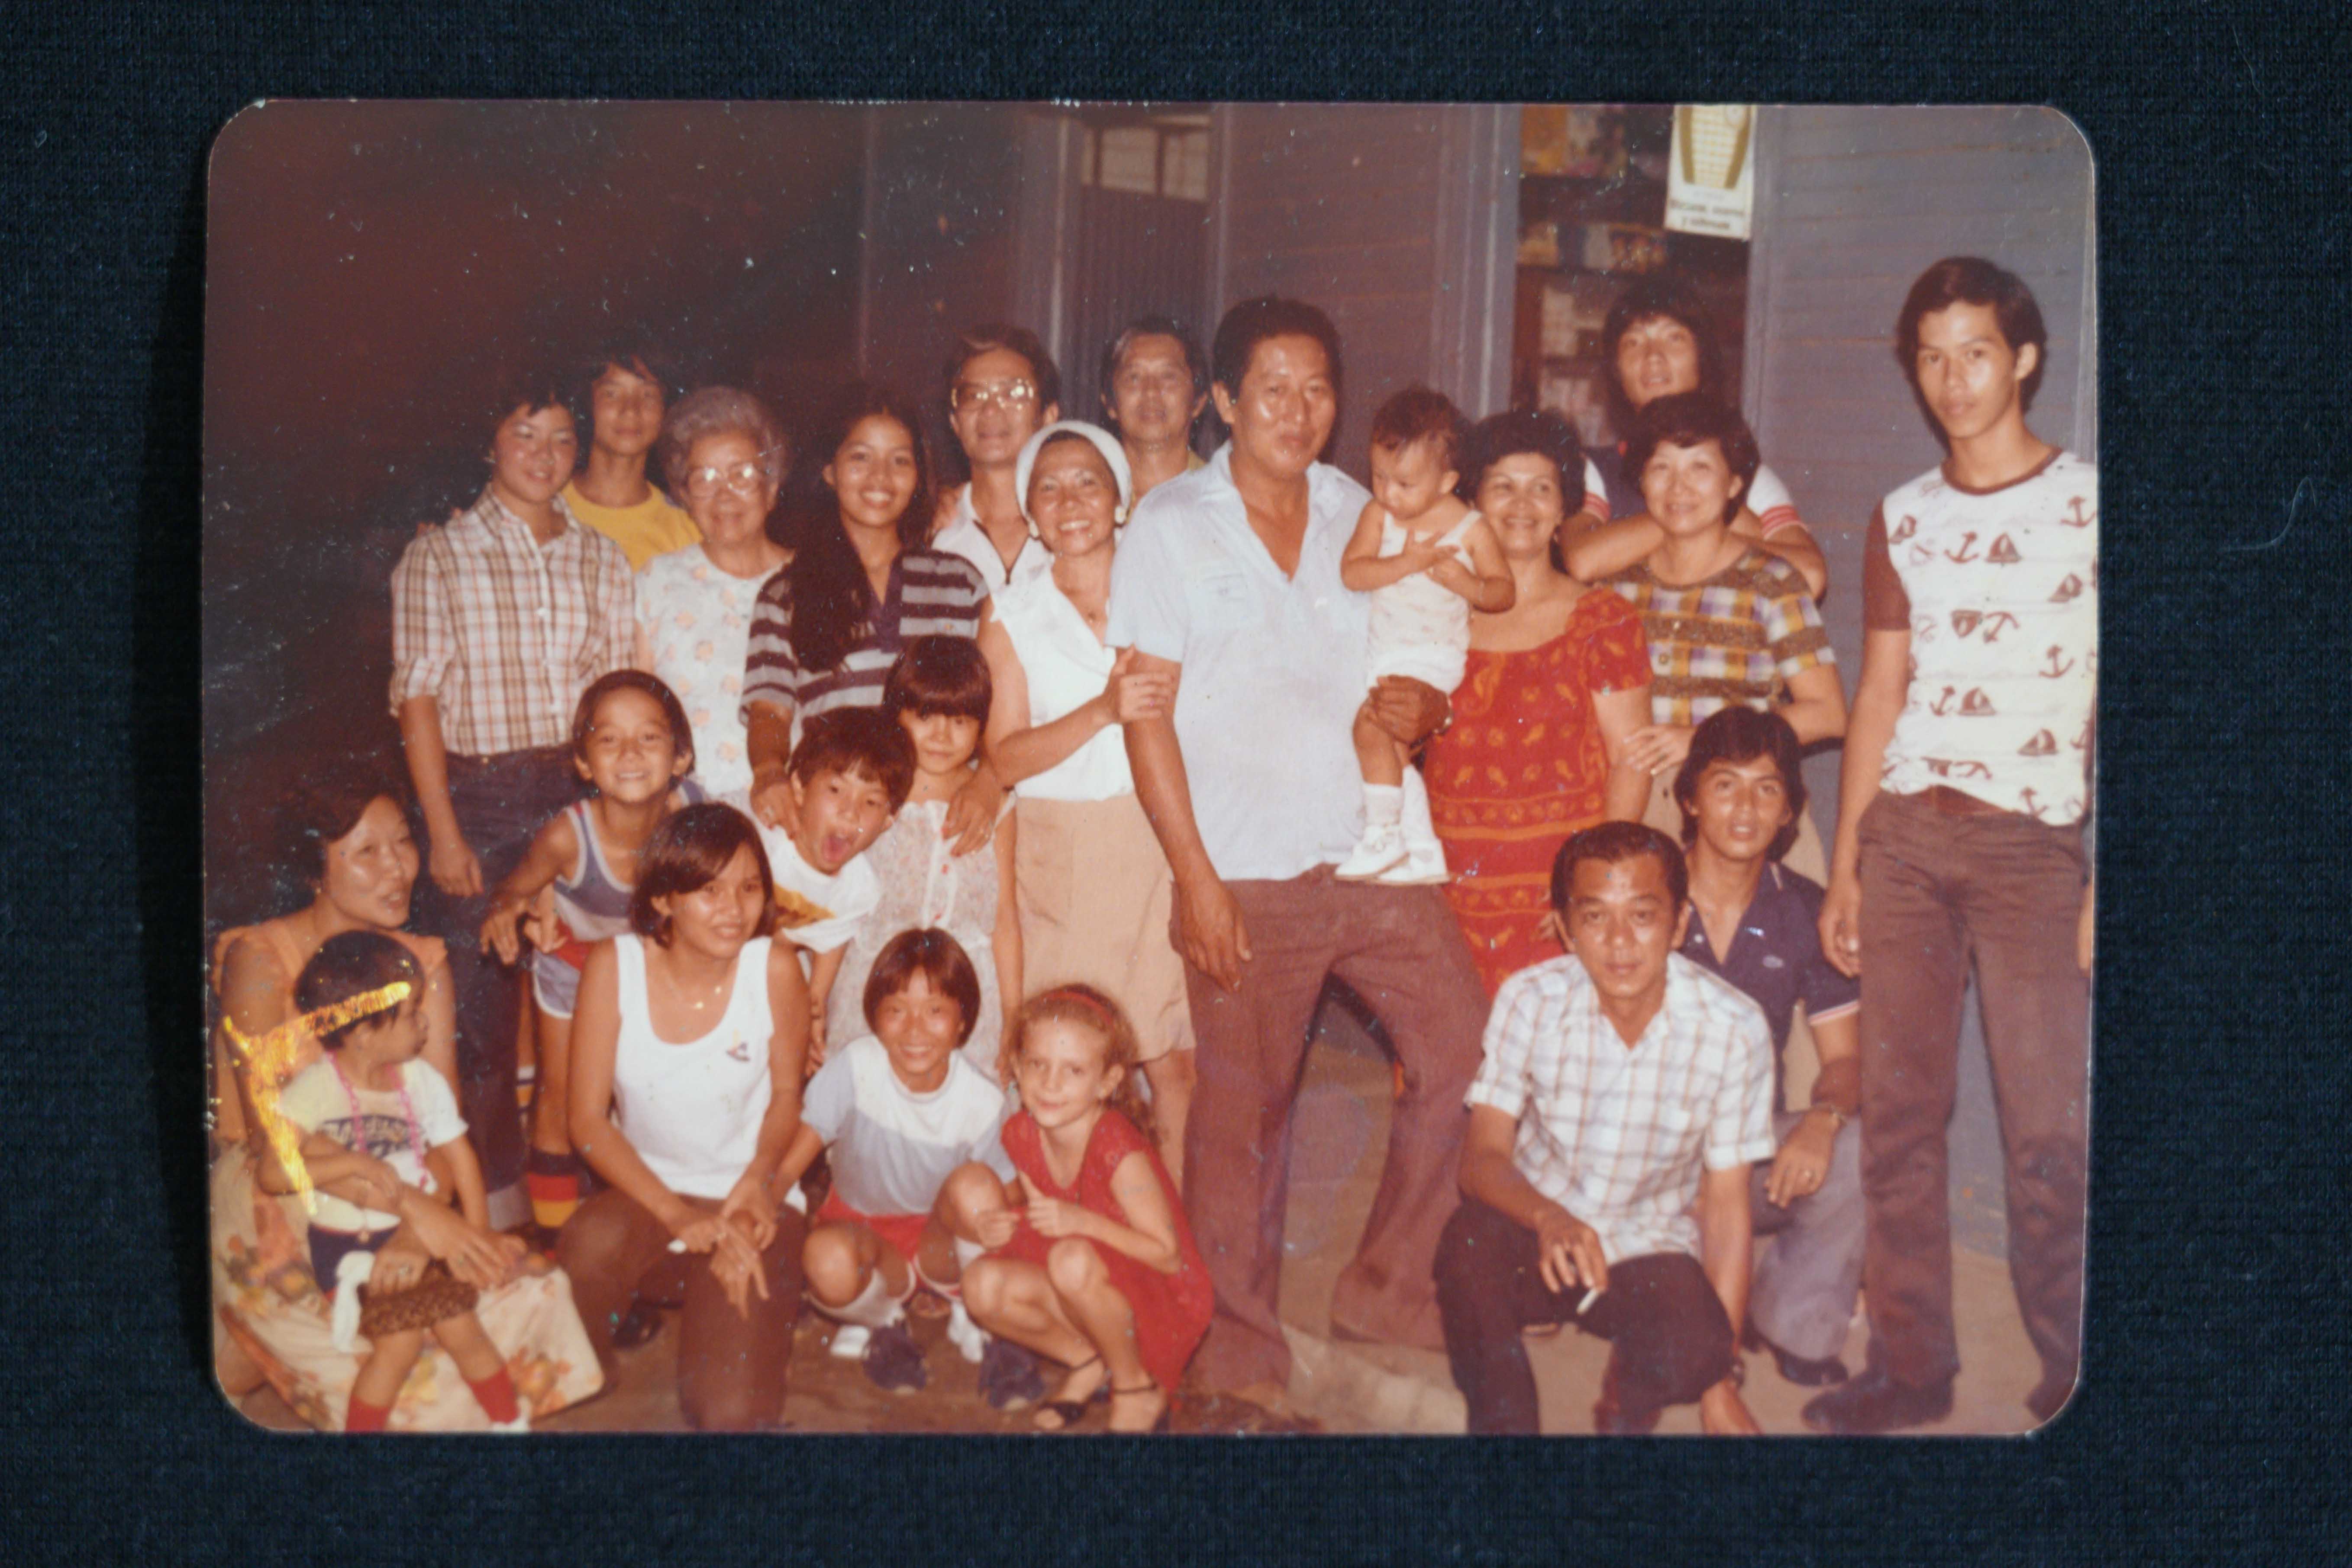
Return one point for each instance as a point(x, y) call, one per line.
point(1651, 299)
point(1116, 350)
point(637, 356)
point(855, 740)
point(1742, 734)
point(1090, 1008)
point(584, 716)
point(1972, 280)
point(990, 335)
point(687, 850)
point(1253, 321)
point(830, 600)
point(352, 964)
point(938, 675)
point(1692, 419)
point(530, 388)
point(1419, 414)
point(1609, 843)
point(321, 808)
point(937, 956)
point(720, 411)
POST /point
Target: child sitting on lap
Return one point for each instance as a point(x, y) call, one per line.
point(913, 1133)
point(1427, 559)
point(369, 1111)
point(847, 777)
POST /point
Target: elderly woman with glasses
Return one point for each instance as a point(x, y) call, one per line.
point(723, 453)
point(1002, 388)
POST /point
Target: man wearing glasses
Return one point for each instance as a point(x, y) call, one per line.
point(1001, 387)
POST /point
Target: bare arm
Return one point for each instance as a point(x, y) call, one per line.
point(1794, 543)
point(1726, 1238)
point(1592, 549)
point(1019, 748)
point(454, 867)
point(1568, 1251)
point(1148, 1236)
point(1214, 940)
point(822, 969)
point(1803, 1163)
point(1621, 714)
point(767, 746)
point(1884, 686)
point(598, 1139)
point(555, 851)
point(1816, 705)
point(1486, 582)
point(1361, 566)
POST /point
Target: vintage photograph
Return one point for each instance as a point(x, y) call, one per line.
point(1127, 768)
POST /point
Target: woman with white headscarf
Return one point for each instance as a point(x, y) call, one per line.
point(1094, 886)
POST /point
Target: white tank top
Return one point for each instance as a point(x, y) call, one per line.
point(1067, 668)
point(692, 1112)
point(1418, 611)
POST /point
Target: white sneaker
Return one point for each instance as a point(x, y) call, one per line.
point(969, 1338)
point(1424, 865)
point(850, 1339)
point(1381, 848)
point(521, 1423)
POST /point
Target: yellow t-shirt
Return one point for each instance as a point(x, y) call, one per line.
point(651, 528)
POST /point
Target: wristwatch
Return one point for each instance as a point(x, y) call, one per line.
point(1838, 1119)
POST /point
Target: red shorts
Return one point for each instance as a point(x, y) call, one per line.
point(901, 1232)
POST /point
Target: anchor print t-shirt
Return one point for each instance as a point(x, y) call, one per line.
point(2000, 591)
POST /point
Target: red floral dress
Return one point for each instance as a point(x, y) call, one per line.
point(1522, 768)
point(1171, 1311)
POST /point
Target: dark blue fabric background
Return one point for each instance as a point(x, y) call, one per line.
point(2217, 1354)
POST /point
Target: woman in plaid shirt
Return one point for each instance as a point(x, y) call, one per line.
point(500, 619)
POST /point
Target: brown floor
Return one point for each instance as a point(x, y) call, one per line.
point(1341, 1127)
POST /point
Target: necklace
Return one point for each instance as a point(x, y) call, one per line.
point(679, 990)
point(359, 1118)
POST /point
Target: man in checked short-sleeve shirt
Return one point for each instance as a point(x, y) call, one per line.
point(1621, 1083)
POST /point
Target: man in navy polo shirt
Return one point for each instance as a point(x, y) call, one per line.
point(1755, 923)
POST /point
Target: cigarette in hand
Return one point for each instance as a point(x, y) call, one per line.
point(1582, 1307)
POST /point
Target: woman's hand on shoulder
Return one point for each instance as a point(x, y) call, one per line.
point(972, 813)
point(1133, 695)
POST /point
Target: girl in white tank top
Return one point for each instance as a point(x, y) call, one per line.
point(692, 1109)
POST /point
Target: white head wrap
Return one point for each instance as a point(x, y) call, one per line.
point(1103, 442)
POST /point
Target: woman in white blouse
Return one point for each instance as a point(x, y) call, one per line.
point(725, 455)
point(1093, 887)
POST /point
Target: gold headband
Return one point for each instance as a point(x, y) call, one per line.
point(270, 1059)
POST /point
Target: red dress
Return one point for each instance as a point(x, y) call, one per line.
point(1171, 1311)
point(1522, 768)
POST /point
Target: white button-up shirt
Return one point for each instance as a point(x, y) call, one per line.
point(962, 536)
point(1274, 666)
point(1616, 1135)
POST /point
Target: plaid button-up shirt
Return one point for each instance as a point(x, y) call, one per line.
point(505, 632)
point(1615, 1134)
point(1736, 638)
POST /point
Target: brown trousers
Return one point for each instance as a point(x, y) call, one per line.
point(1940, 894)
point(1400, 950)
point(731, 1369)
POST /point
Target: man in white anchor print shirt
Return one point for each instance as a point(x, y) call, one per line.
point(1966, 781)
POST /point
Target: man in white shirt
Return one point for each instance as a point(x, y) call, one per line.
point(1003, 388)
point(1230, 576)
point(1622, 1085)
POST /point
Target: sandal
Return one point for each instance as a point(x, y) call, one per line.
point(1069, 1413)
point(1167, 1407)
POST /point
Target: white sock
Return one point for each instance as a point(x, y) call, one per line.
point(1383, 804)
point(872, 1308)
point(343, 1321)
point(969, 1338)
point(1414, 800)
point(965, 1251)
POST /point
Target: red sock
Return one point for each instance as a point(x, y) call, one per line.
point(362, 1416)
point(496, 1395)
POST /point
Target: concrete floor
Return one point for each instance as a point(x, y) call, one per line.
point(1341, 1132)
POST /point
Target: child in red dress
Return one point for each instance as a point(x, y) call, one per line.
point(1095, 1265)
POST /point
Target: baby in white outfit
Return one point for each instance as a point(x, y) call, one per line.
point(1427, 559)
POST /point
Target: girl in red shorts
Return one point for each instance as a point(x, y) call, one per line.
point(1093, 1264)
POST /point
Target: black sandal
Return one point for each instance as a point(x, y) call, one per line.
point(1167, 1408)
point(1069, 1413)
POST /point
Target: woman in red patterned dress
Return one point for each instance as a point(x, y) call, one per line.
point(1553, 687)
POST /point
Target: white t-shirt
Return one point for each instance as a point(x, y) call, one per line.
point(816, 911)
point(893, 1149)
point(316, 1101)
point(698, 621)
point(962, 536)
point(1274, 666)
point(692, 1112)
point(1066, 668)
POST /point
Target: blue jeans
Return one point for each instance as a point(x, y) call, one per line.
point(502, 803)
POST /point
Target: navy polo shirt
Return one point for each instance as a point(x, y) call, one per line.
point(1776, 955)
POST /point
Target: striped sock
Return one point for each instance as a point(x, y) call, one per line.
point(553, 1183)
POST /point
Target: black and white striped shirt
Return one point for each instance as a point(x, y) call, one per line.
point(931, 594)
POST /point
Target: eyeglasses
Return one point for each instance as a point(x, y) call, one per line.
point(1009, 395)
point(743, 478)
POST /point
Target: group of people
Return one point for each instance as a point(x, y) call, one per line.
point(931, 915)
